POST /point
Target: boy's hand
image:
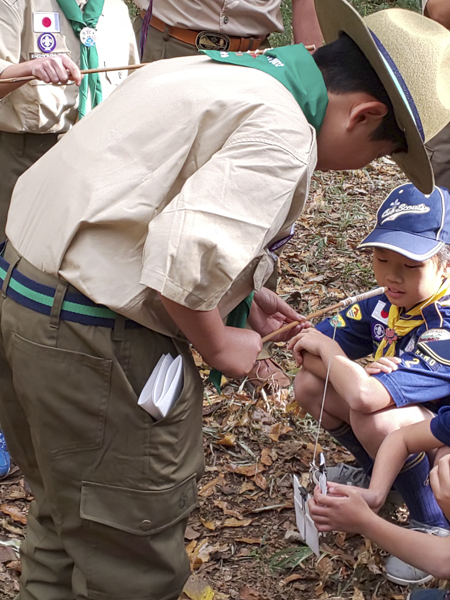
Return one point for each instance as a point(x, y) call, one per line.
point(440, 483)
point(383, 365)
point(313, 341)
point(270, 312)
point(342, 510)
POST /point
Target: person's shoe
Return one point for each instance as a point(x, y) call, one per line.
point(429, 594)
point(400, 572)
point(5, 462)
point(266, 372)
point(347, 475)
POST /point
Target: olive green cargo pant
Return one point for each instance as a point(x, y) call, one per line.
point(112, 487)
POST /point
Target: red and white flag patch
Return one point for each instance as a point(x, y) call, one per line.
point(46, 22)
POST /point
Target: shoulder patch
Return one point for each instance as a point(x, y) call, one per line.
point(380, 313)
point(435, 335)
point(354, 312)
point(338, 321)
point(438, 350)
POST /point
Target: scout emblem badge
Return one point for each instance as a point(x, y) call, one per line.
point(318, 473)
point(88, 36)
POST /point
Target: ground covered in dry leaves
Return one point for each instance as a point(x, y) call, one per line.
point(242, 540)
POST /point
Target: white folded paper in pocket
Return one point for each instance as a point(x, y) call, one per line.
point(163, 387)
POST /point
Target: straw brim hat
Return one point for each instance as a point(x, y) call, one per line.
point(411, 56)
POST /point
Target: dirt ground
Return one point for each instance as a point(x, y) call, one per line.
point(242, 540)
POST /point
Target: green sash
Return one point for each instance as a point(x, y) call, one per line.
point(88, 54)
point(295, 68)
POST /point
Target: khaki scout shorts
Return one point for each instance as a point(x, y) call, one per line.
point(112, 487)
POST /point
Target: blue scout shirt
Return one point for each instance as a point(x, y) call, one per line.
point(424, 373)
point(440, 425)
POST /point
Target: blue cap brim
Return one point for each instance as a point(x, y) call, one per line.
point(410, 245)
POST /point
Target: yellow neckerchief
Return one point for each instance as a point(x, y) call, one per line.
point(400, 325)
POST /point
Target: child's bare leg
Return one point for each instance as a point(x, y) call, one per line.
point(309, 388)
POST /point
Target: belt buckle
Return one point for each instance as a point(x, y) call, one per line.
point(210, 40)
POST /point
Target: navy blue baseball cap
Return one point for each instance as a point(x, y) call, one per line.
point(413, 224)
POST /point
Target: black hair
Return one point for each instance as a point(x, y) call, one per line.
point(345, 70)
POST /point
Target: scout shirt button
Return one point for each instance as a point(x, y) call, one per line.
point(225, 20)
point(146, 525)
point(88, 36)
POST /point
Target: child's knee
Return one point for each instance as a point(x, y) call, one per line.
point(307, 388)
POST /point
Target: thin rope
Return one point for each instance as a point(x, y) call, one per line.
point(319, 424)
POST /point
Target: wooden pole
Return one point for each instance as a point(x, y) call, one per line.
point(99, 70)
point(323, 311)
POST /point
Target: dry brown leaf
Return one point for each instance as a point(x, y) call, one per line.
point(237, 522)
point(248, 593)
point(266, 458)
point(191, 533)
point(205, 490)
point(292, 578)
point(14, 513)
point(227, 440)
point(248, 470)
point(226, 510)
point(275, 432)
point(208, 524)
point(249, 540)
point(7, 554)
point(357, 594)
point(260, 481)
point(247, 486)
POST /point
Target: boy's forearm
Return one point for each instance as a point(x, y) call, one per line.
point(362, 392)
point(427, 552)
point(391, 457)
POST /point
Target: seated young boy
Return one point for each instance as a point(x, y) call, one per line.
point(352, 509)
point(407, 329)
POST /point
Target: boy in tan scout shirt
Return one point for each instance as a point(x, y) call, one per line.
point(168, 222)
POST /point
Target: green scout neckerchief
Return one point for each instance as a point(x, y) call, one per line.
point(296, 69)
point(88, 54)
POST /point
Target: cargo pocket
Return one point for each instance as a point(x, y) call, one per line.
point(63, 393)
point(135, 540)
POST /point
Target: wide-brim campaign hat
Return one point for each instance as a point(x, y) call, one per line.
point(411, 55)
point(413, 224)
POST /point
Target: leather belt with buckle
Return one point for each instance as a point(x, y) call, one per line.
point(207, 40)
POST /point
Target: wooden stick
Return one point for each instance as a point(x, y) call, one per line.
point(319, 313)
point(84, 72)
point(99, 70)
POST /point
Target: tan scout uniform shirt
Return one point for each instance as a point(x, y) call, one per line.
point(181, 195)
point(37, 107)
point(238, 18)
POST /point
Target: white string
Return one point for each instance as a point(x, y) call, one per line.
point(319, 423)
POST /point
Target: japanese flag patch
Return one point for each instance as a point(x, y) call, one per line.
point(46, 22)
point(380, 313)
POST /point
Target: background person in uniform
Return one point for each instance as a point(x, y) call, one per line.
point(439, 146)
point(37, 39)
point(155, 236)
point(175, 25)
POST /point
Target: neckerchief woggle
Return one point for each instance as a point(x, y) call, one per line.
point(295, 68)
point(88, 54)
point(400, 325)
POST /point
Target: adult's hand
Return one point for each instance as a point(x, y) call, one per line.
point(270, 312)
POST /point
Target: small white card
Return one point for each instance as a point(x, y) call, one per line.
point(163, 387)
point(305, 524)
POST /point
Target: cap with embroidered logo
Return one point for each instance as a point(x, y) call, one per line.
point(413, 224)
